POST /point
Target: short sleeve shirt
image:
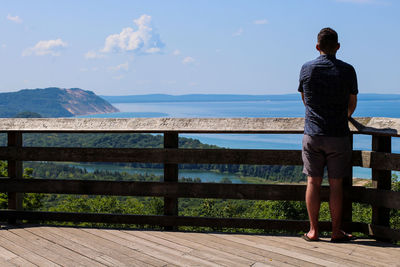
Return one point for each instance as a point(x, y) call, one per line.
point(327, 83)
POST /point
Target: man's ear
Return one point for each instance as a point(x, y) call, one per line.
point(317, 47)
point(338, 46)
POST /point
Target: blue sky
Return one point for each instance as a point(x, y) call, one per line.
point(182, 47)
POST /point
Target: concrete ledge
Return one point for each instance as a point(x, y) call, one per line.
point(364, 125)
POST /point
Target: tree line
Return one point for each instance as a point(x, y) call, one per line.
point(135, 140)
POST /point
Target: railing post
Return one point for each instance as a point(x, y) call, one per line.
point(171, 140)
point(381, 179)
point(347, 216)
point(15, 171)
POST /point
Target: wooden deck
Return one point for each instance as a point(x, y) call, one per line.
point(67, 246)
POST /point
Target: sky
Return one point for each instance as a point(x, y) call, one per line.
point(186, 47)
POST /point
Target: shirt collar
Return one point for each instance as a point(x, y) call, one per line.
point(328, 56)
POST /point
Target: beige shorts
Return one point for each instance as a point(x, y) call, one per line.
point(332, 152)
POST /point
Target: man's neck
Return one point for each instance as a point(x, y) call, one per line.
point(325, 54)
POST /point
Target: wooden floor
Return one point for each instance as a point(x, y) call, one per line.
point(67, 246)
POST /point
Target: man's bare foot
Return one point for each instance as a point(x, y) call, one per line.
point(312, 235)
point(308, 239)
point(342, 236)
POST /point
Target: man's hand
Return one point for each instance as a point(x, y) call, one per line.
point(352, 105)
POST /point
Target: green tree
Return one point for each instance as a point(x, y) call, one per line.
point(31, 201)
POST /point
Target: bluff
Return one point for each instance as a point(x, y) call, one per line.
point(53, 102)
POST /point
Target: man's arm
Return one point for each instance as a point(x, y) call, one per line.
point(352, 105)
point(302, 98)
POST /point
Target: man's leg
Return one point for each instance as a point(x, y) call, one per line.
point(336, 205)
point(338, 163)
point(313, 202)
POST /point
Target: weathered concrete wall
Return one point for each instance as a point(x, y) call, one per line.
point(366, 125)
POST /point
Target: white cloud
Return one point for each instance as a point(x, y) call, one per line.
point(123, 66)
point(93, 55)
point(260, 22)
point(153, 50)
point(145, 40)
point(176, 52)
point(238, 32)
point(188, 60)
point(15, 19)
point(49, 47)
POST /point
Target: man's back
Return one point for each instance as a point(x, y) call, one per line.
point(327, 83)
point(329, 91)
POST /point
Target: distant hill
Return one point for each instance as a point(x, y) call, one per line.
point(53, 102)
point(228, 98)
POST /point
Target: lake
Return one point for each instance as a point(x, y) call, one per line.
point(266, 108)
point(206, 177)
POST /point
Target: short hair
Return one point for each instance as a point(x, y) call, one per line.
point(328, 40)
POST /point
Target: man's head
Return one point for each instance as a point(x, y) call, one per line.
point(328, 41)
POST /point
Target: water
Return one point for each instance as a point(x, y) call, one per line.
point(267, 108)
point(206, 177)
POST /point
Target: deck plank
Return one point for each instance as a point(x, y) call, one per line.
point(354, 251)
point(5, 253)
point(5, 263)
point(71, 249)
point(8, 258)
point(258, 255)
point(198, 250)
point(170, 255)
point(286, 252)
point(312, 249)
point(21, 262)
point(110, 255)
point(76, 246)
point(119, 253)
point(51, 250)
point(31, 252)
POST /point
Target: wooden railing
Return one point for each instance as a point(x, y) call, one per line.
point(380, 159)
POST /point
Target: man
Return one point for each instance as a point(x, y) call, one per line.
point(329, 91)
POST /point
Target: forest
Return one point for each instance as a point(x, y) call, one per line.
point(134, 140)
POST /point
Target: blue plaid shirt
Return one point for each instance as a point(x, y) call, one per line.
point(327, 83)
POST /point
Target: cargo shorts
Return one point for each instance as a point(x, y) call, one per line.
point(332, 152)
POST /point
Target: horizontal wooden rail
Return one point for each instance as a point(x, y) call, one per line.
point(376, 197)
point(160, 220)
point(159, 189)
point(366, 159)
point(218, 223)
point(365, 125)
point(381, 231)
point(377, 160)
point(154, 155)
